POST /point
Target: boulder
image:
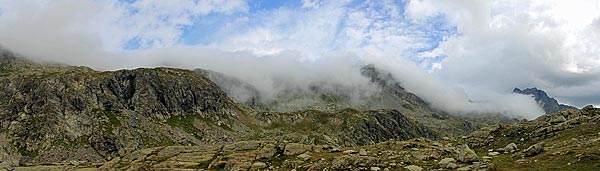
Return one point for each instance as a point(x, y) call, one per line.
point(266, 152)
point(375, 169)
point(295, 149)
point(304, 157)
point(510, 148)
point(350, 152)
point(493, 153)
point(466, 155)
point(444, 163)
point(452, 166)
point(362, 152)
point(534, 150)
point(258, 165)
point(413, 168)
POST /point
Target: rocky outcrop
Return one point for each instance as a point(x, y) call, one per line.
point(549, 104)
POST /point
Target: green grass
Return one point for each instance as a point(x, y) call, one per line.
point(187, 123)
point(184, 122)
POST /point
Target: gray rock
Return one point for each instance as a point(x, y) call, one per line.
point(362, 152)
point(452, 166)
point(350, 152)
point(258, 165)
point(295, 149)
point(486, 158)
point(466, 168)
point(493, 153)
point(335, 150)
point(466, 155)
point(266, 152)
point(375, 169)
point(534, 150)
point(445, 162)
point(304, 157)
point(413, 168)
point(512, 147)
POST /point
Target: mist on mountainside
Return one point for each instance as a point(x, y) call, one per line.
point(286, 74)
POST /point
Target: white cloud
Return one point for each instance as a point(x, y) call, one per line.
point(159, 23)
point(310, 3)
point(151, 23)
point(549, 44)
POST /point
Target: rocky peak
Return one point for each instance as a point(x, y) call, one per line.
point(549, 104)
point(391, 85)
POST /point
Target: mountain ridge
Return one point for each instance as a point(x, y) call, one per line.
point(549, 104)
point(55, 113)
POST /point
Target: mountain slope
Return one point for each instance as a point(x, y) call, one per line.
point(54, 113)
point(346, 127)
point(566, 140)
point(549, 104)
point(387, 94)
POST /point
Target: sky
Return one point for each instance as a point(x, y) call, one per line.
point(472, 50)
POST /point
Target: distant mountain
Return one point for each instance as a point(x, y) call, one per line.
point(549, 104)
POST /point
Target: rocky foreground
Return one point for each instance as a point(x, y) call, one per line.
point(568, 140)
point(416, 154)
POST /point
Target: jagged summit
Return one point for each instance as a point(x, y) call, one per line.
point(549, 104)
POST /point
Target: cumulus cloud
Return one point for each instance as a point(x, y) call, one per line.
point(102, 25)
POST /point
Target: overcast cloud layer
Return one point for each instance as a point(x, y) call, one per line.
point(446, 52)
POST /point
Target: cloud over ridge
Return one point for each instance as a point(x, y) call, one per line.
point(451, 54)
